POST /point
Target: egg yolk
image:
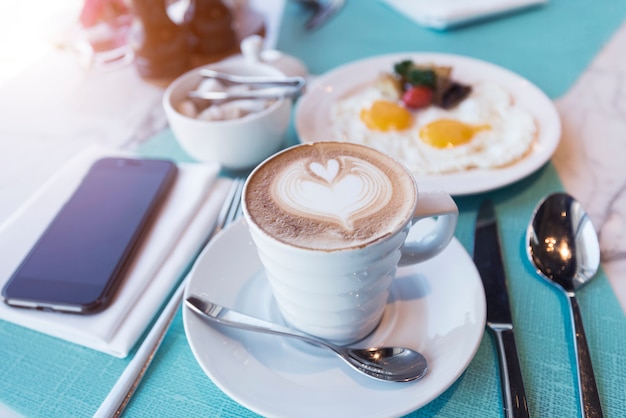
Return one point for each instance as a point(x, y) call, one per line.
point(386, 116)
point(449, 133)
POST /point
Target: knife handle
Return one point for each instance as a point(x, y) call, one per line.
point(513, 393)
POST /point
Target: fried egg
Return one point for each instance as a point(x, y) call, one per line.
point(486, 130)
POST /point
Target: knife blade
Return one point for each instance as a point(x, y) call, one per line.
point(488, 260)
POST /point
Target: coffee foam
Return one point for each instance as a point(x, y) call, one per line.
point(330, 196)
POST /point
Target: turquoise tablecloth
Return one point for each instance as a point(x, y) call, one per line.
point(540, 312)
point(43, 376)
point(549, 45)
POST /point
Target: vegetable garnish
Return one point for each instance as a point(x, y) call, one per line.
point(419, 86)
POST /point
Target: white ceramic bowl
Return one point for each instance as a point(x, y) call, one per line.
point(238, 143)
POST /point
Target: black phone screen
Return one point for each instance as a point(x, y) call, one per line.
point(75, 263)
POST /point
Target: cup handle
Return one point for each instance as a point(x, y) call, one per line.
point(431, 204)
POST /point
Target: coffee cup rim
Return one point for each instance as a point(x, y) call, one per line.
point(376, 241)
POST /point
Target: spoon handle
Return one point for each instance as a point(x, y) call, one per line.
point(296, 82)
point(589, 397)
point(232, 318)
point(514, 395)
point(225, 96)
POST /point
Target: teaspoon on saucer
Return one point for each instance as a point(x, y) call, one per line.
point(392, 364)
point(563, 246)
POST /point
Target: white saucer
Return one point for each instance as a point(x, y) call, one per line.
point(437, 308)
point(312, 116)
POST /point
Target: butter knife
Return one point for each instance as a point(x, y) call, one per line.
point(488, 260)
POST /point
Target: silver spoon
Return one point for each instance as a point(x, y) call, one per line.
point(563, 247)
point(392, 364)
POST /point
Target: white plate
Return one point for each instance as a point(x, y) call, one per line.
point(313, 113)
point(437, 308)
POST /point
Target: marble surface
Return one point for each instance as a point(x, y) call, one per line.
point(590, 156)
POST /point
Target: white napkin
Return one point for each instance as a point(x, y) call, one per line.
point(183, 224)
point(444, 14)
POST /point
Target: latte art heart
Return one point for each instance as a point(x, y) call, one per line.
point(340, 190)
point(328, 172)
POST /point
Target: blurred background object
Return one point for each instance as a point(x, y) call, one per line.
point(210, 27)
point(170, 37)
point(106, 35)
point(160, 44)
point(102, 36)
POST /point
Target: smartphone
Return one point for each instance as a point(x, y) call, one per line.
point(79, 261)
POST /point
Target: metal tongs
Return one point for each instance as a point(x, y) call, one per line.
point(264, 87)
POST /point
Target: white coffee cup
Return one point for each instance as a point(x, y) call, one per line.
point(330, 221)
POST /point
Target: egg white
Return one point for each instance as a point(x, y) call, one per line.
point(511, 134)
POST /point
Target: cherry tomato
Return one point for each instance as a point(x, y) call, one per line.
point(417, 97)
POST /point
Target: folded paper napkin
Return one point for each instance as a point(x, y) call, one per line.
point(444, 14)
point(183, 223)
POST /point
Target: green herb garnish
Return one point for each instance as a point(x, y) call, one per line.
point(415, 76)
